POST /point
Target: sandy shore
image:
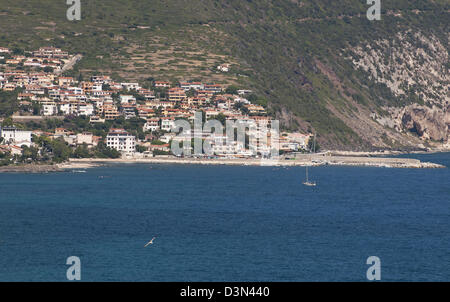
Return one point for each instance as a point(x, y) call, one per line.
point(306, 160)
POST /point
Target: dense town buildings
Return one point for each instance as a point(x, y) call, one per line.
point(102, 99)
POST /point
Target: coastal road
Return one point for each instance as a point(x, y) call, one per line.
point(69, 65)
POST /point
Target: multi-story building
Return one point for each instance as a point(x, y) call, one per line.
point(152, 124)
point(176, 94)
point(214, 88)
point(161, 84)
point(130, 86)
point(167, 124)
point(127, 99)
point(14, 136)
point(65, 81)
point(49, 108)
point(129, 111)
point(86, 138)
point(86, 109)
point(194, 85)
point(50, 52)
point(111, 112)
point(121, 140)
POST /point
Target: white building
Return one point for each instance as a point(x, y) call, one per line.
point(85, 138)
point(49, 109)
point(68, 108)
point(127, 99)
point(86, 109)
point(189, 86)
point(121, 140)
point(224, 67)
point(130, 86)
point(152, 125)
point(14, 136)
point(167, 124)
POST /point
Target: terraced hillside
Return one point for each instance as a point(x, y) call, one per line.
point(321, 65)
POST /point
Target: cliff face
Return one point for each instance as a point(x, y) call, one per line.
point(428, 123)
point(415, 68)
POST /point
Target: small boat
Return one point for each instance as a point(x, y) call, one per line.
point(79, 171)
point(309, 183)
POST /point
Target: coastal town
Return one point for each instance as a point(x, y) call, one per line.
point(48, 118)
point(123, 118)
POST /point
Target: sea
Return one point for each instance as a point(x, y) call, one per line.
point(227, 223)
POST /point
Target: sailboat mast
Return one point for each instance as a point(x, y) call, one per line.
point(314, 143)
point(307, 179)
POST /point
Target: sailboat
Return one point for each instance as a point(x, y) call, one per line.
point(309, 183)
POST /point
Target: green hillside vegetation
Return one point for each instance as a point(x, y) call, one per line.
point(275, 47)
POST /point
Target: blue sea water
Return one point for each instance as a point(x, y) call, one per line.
point(223, 223)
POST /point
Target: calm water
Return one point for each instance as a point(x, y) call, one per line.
point(226, 223)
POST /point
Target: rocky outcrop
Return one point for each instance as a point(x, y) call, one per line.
point(412, 65)
point(30, 168)
point(428, 123)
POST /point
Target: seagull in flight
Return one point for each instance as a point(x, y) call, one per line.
point(150, 242)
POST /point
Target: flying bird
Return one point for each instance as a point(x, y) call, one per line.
point(150, 242)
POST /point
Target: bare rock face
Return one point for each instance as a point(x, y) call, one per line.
point(447, 118)
point(428, 123)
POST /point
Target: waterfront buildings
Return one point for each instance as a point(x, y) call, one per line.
point(14, 136)
point(121, 140)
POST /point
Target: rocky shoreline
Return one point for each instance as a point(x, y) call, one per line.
point(37, 169)
point(303, 160)
point(31, 168)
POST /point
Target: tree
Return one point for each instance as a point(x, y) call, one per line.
point(48, 69)
point(231, 90)
point(103, 151)
point(8, 102)
point(60, 150)
point(140, 149)
point(313, 145)
point(29, 153)
point(18, 51)
point(190, 93)
point(82, 152)
point(7, 122)
point(5, 159)
point(221, 118)
point(36, 107)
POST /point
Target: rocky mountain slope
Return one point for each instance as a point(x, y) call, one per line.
point(416, 70)
point(320, 65)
